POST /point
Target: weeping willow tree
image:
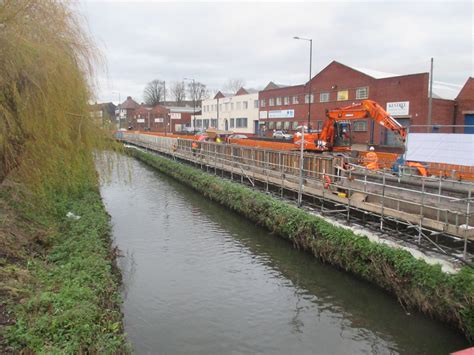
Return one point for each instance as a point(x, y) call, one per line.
point(47, 136)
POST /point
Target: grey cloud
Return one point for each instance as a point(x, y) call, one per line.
point(253, 41)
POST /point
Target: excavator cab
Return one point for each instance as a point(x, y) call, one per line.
point(342, 135)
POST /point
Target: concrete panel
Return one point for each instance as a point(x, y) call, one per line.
point(449, 148)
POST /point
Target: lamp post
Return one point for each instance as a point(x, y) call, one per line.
point(194, 101)
point(300, 189)
point(310, 40)
point(119, 107)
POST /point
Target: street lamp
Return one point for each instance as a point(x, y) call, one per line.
point(309, 82)
point(194, 101)
point(119, 107)
point(302, 142)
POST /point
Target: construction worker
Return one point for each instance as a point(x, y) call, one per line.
point(194, 147)
point(372, 159)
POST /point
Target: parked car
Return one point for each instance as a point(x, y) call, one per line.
point(238, 136)
point(282, 135)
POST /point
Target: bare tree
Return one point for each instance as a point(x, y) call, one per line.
point(154, 92)
point(197, 91)
point(233, 85)
point(178, 90)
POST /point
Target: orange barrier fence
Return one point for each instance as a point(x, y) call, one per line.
point(263, 144)
point(460, 172)
point(385, 160)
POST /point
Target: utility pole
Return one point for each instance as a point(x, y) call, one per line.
point(430, 100)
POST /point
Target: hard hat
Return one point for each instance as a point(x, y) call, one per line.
point(371, 149)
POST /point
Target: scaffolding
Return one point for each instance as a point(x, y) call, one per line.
point(432, 211)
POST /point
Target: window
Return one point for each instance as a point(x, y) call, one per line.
point(324, 97)
point(214, 122)
point(271, 125)
point(241, 122)
point(271, 102)
point(231, 123)
point(286, 125)
point(220, 107)
point(278, 101)
point(295, 125)
point(319, 125)
point(306, 98)
point(360, 126)
point(232, 106)
point(199, 123)
point(245, 105)
point(226, 106)
point(262, 103)
point(205, 123)
point(362, 93)
point(343, 95)
point(238, 105)
point(278, 125)
point(255, 103)
point(296, 100)
point(286, 100)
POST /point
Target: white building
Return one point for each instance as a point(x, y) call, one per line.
point(237, 113)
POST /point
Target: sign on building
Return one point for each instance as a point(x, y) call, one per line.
point(158, 120)
point(140, 120)
point(263, 114)
point(175, 115)
point(398, 108)
point(281, 114)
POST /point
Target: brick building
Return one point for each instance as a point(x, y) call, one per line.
point(465, 106)
point(405, 97)
point(145, 118)
point(160, 118)
point(124, 111)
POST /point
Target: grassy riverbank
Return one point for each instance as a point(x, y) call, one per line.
point(59, 282)
point(447, 297)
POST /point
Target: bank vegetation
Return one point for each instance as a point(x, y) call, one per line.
point(58, 285)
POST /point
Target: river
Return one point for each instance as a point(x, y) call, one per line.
point(199, 279)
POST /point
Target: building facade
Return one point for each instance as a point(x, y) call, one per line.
point(465, 107)
point(124, 112)
point(405, 97)
point(237, 112)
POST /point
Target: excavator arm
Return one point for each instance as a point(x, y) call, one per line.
point(365, 109)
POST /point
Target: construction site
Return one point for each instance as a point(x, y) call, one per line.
point(425, 207)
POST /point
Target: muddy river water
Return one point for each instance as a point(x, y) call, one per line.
point(199, 279)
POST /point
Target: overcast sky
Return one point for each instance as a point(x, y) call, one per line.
point(213, 42)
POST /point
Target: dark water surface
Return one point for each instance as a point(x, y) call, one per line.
point(199, 279)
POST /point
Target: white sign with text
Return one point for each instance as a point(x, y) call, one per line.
point(175, 115)
point(398, 108)
point(281, 114)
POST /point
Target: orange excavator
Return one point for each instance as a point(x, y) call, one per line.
point(335, 134)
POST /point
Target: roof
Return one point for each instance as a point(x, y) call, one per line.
point(441, 90)
point(129, 104)
point(466, 90)
point(271, 85)
point(183, 109)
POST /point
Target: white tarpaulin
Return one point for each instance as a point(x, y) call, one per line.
point(449, 148)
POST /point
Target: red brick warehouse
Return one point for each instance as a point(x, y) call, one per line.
point(405, 97)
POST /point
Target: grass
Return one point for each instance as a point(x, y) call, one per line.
point(416, 284)
point(70, 300)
